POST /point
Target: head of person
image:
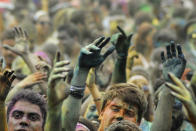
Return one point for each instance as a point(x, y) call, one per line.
point(123, 125)
point(26, 111)
point(141, 82)
point(8, 38)
point(85, 125)
point(122, 102)
point(42, 23)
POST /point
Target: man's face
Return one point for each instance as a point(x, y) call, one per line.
point(8, 55)
point(25, 116)
point(43, 25)
point(117, 110)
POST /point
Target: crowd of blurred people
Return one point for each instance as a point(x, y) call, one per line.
point(98, 65)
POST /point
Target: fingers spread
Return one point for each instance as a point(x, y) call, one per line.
point(162, 57)
point(98, 41)
point(168, 49)
point(109, 51)
point(173, 49)
point(176, 80)
point(62, 63)
point(102, 44)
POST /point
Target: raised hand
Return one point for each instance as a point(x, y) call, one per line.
point(6, 79)
point(179, 90)
point(91, 78)
point(21, 47)
point(175, 61)
point(90, 56)
point(59, 71)
point(32, 79)
point(122, 42)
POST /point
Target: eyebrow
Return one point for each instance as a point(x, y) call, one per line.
point(32, 113)
point(116, 106)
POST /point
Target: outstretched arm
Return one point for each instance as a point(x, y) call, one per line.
point(90, 83)
point(21, 48)
point(55, 98)
point(90, 56)
point(122, 43)
point(32, 79)
point(175, 63)
point(179, 90)
point(6, 79)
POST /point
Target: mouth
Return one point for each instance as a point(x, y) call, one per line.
point(22, 130)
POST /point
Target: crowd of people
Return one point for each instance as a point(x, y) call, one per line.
point(98, 65)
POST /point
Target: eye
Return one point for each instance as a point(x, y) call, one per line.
point(130, 113)
point(115, 109)
point(18, 114)
point(33, 117)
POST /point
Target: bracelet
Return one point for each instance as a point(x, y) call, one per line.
point(77, 91)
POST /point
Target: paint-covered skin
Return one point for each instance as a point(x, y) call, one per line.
point(116, 110)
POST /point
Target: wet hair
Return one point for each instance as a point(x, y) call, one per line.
point(29, 96)
point(8, 34)
point(123, 125)
point(87, 123)
point(128, 93)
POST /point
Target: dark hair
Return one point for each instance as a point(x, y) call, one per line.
point(123, 125)
point(29, 96)
point(130, 94)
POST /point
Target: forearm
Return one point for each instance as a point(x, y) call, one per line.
point(193, 83)
point(3, 123)
point(71, 106)
point(119, 74)
point(96, 97)
point(163, 114)
point(31, 66)
point(53, 120)
point(12, 92)
point(70, 113)
point(191, 109)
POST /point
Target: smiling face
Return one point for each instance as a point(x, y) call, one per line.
point(117, 110)
point(25, 116)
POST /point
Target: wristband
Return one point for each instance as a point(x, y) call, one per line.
point(77, 91)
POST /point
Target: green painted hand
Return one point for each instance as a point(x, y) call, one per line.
point(122, 42)
point(59, 71)
point(174, 63)
point(90, 56)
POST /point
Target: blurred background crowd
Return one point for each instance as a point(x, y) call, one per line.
point(69, 25)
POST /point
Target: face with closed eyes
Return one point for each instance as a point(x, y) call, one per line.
point(117, 110)
point(25, 116)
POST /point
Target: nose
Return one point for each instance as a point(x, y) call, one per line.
point(24, 124)
point(120, 115)
point(120, 118)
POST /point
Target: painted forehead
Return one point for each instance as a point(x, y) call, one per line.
point(122, 104)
